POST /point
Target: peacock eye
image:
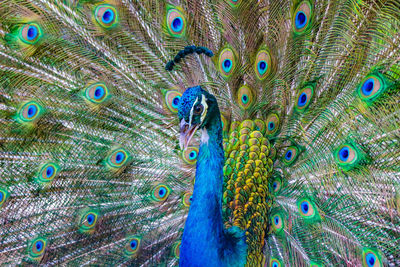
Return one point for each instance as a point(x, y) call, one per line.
point(3, 196)
point(307, 209)
point(88, 221)
point(37, 248)
point(262, 64)
point(371, 258)
point(30, 33)
point(277, 223)
point(160, 192)
point(227, 62)
point(302, 17)
point(187, 199)
point(106, 16)
point(176, 22)
point(198, 109)
point(176, 248)
point(29, 112)
point(290, 155)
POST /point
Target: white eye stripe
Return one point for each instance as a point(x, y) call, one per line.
point(191, 112)
point(205, 107)
point(203, 114)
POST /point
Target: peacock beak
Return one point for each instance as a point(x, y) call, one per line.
point(187, 132)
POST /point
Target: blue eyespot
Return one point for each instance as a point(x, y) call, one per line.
point(304, 207)
point(300, 20)
point(227, 65)
point(49, 171)
point(175, 101)
point(162, 192)
point(39, 245)
point(274, 185)
point(302, 99)
point(344, 153)
point(133, 244)
point(275, 264)
point(370, 259)
point(227, 62)
point(276, 219)
point(262, 67)
point(288, 155)
point(1, 196)
point(108, 16)
point(99, 92)
point(32, 33)
point(189, 155)
point(90, 218)
point(368, 86)
point(32, 110)
point(192, 155)
point(245, 99)
point(119, 157)
point(271, 126)
point(177, 24)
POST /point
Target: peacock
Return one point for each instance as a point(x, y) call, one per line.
point(200, 133)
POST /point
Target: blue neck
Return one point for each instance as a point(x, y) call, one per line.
point(203, 233)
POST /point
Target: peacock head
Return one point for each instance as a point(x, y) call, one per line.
point(195, 110)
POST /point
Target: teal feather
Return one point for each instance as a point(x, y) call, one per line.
point(90, 162)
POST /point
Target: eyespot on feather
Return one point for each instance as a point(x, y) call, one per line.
point(37, 248)
point(3, 196)
point(276, 185)
point(307, 209)
point(314, 264)
point(301, 19)
point(160, 192)
point(233, 3)
point(273, 262)
point(118, 158)
point(372, 87)
point(290, 155)
point(176, 249)
point(371, 258)
point(176, 22)
point(47, 173)
point(97, 93)
point(277, 223)
point(227, 62)
point(347, 156)
point(245, 97)
point(304, 98)
point(106, 16)
point(190, 154)
point(132, 246)
point(273, 124)
point(88, 221)
point(263, 64)
point(30, 33)
point(29, 112)
point(187, 199)
point(225, 124)
point(260, 124)
point(172, 99)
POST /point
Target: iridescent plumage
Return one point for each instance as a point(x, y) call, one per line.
point(304, 145)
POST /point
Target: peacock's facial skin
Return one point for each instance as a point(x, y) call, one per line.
point(194, 108)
